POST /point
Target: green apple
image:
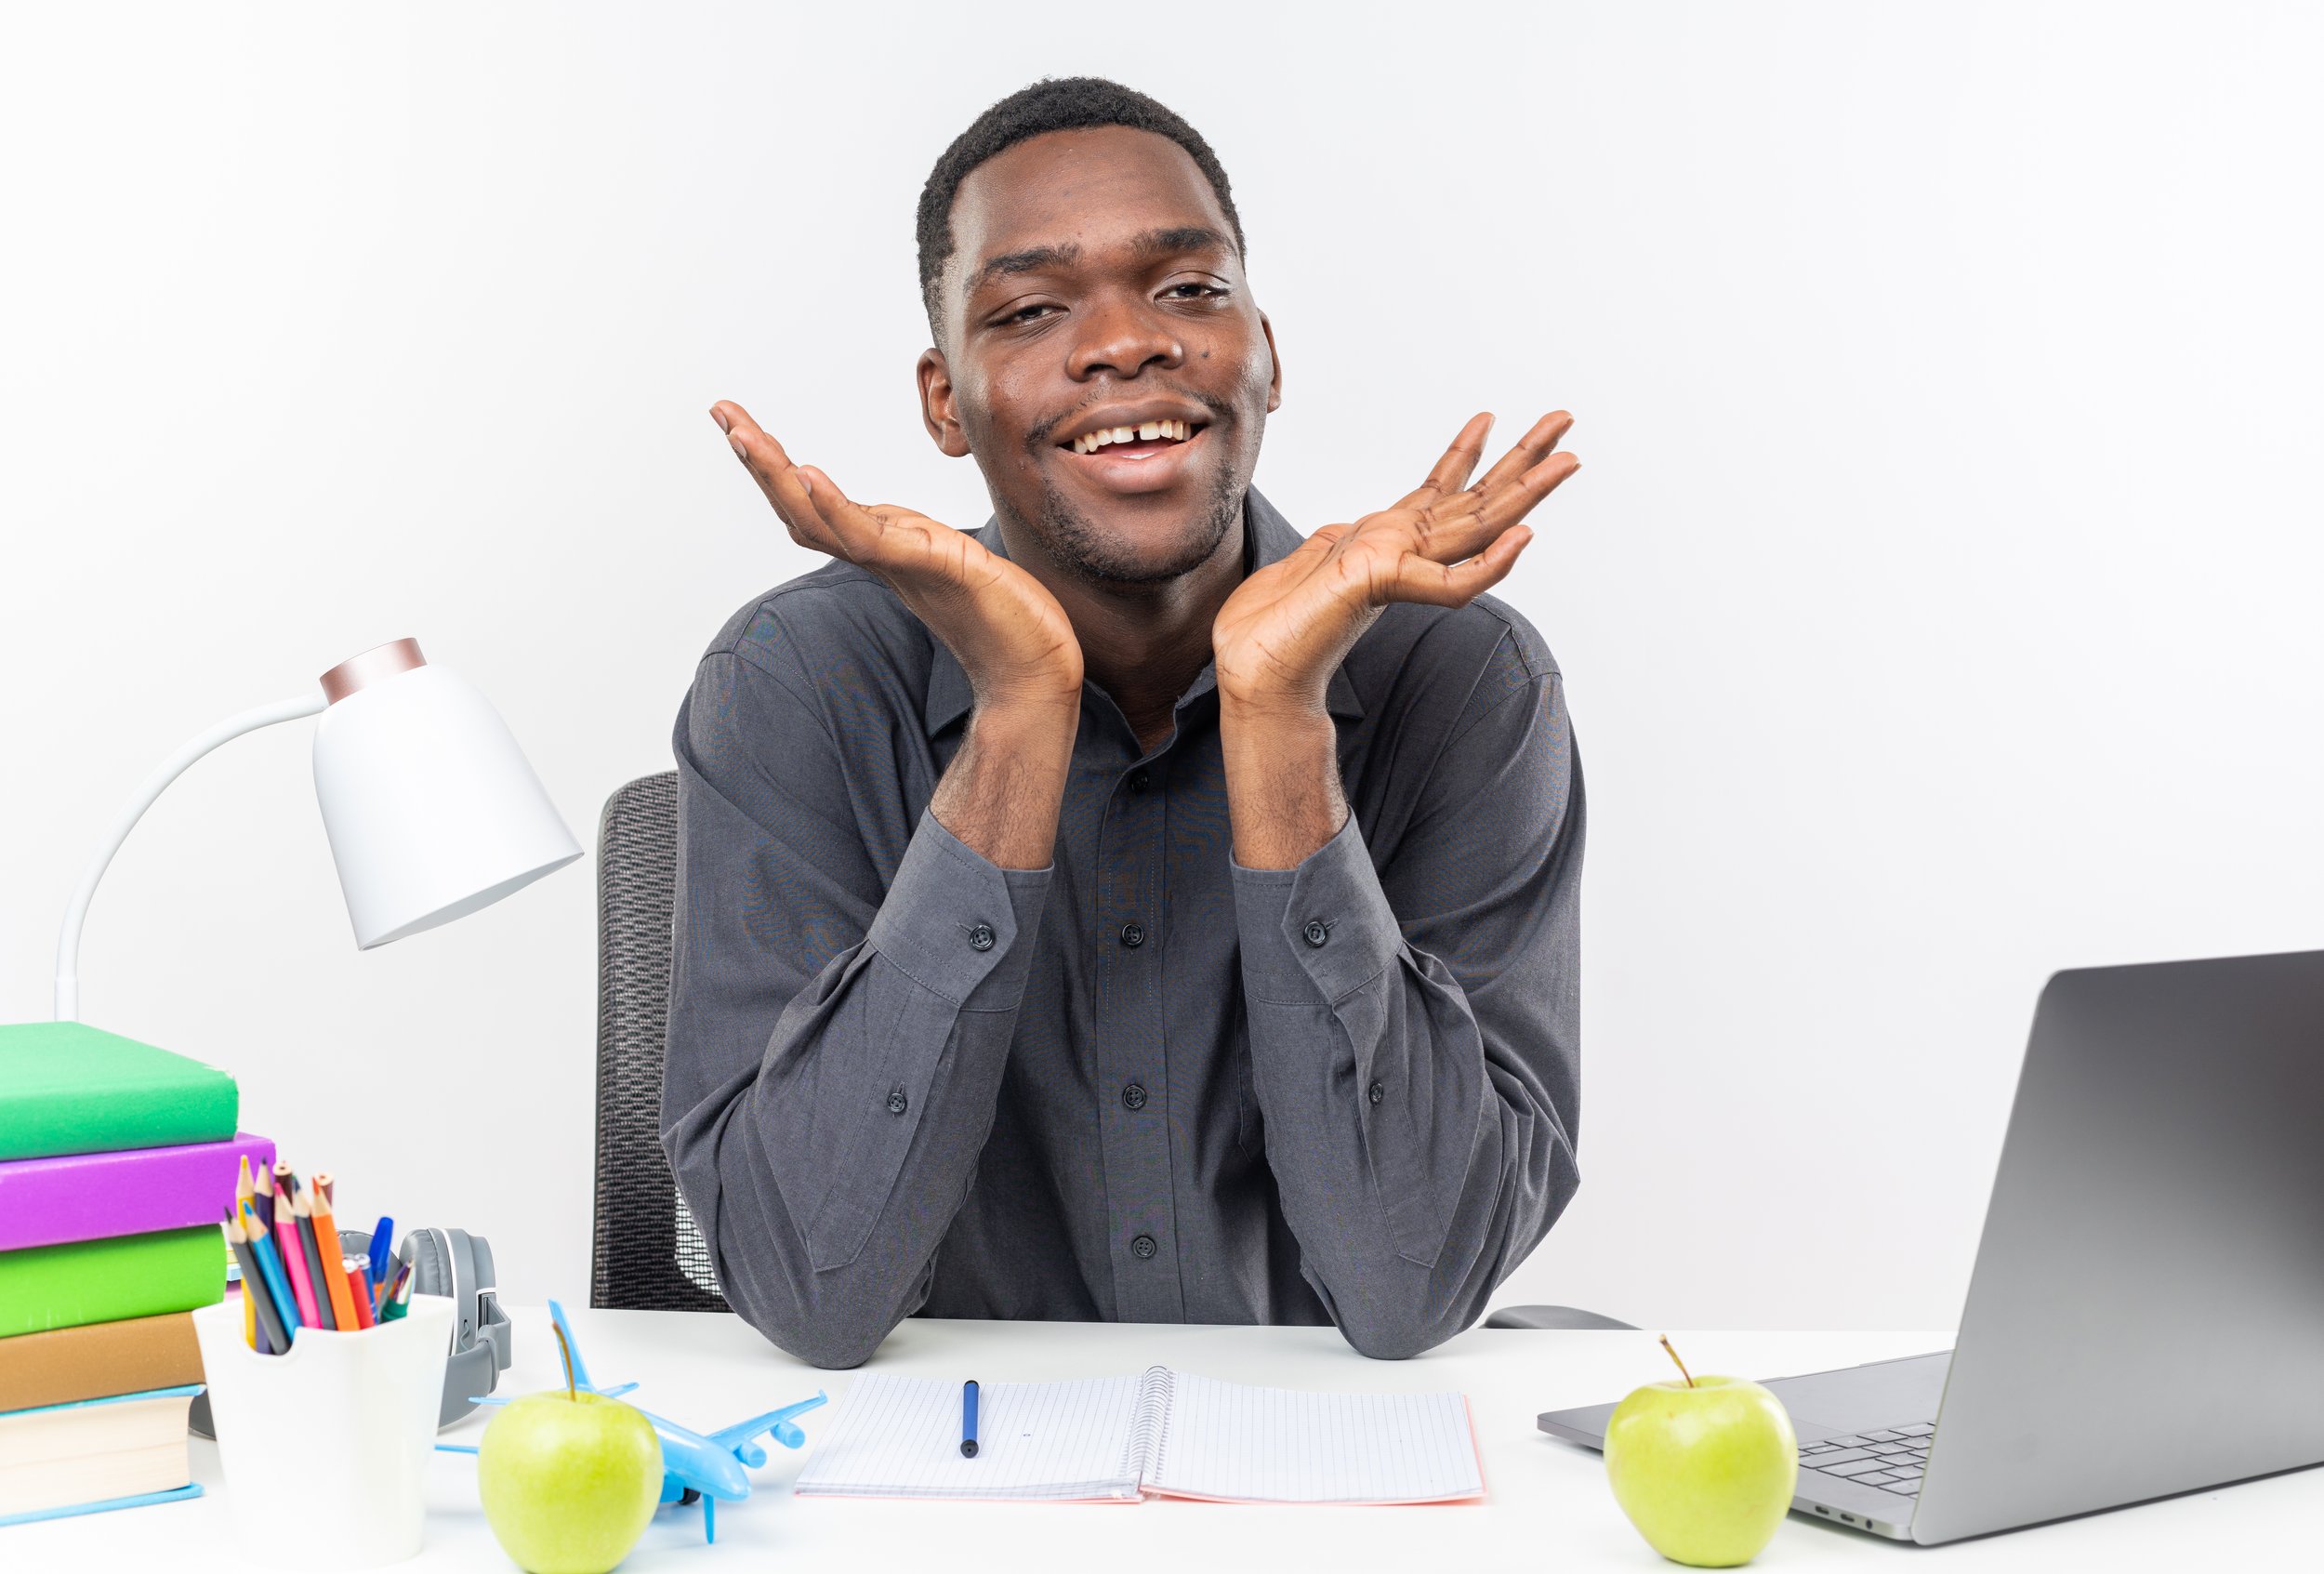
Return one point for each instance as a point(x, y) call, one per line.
point(568, 1480)
point(1704, 1468)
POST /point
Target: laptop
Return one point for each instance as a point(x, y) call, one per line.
point(2146, 1312)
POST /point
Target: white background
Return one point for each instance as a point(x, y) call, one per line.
point(1937, 600)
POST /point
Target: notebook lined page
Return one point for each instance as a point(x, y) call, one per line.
point(899, 1437)
point(1280, 1444)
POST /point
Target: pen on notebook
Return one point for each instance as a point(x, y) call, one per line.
point(294, 1255)
point(968, 1420)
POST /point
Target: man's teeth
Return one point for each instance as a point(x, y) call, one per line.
point(1148, 431)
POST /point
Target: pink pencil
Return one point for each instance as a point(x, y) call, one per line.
point(294, 1257)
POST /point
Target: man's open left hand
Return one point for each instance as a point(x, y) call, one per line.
point(1280, 634)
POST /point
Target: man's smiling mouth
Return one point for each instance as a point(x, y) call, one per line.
point(1146, 437)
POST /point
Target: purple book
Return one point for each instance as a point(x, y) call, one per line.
point(132, 1191)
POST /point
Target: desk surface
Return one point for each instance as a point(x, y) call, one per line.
point(1547, 1507)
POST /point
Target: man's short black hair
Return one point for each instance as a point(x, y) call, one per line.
point(1056, 103)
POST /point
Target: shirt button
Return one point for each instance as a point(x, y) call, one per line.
point(1375, 1093)
point(1140, 781)
point(1315, 932)
point(1133, 935)
point(1142, 1248)
point(980, 937)
point(1134, 1096)
point(898, 1104)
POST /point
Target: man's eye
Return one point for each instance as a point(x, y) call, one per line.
point(1026, 314)
point(1191, 291)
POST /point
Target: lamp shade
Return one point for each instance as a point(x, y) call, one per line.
point(431, 809)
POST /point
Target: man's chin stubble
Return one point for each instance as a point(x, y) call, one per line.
point(1082, 546)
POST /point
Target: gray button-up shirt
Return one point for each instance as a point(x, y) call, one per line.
point(1146, 1083)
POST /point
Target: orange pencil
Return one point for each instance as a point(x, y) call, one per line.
point(317, 1200)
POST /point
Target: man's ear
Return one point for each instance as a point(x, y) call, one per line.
point(1274, 377)
point(940, 406)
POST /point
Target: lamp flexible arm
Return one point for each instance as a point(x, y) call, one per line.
point(69, 938)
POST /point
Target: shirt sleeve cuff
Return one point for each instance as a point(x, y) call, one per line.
point(957, 923)
point(1318, 931)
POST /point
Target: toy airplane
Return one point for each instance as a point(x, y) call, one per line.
point(694, 1466)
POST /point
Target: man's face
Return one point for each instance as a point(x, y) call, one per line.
point(1093, 286)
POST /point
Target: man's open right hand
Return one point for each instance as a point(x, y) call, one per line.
point(1005, 628)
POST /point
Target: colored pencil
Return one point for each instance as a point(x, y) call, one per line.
point(286, 1242)
point(358, 1285)
point(302, 1211)
point(271, 1275)
point(389, 1290)
point(254, 1295)
point(250, 1311)
point(279, 1193)
point(400, 1301)
point(317, 1201)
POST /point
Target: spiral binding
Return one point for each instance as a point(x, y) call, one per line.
point(1149, 1437)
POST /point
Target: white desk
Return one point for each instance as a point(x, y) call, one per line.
point(1547, 1508)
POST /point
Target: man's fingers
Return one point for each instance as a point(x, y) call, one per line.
point(772, 469)
point(1517, 499)
point(855, 529)
point(1456, 585)
point(1453, 471)
point(1532, 448)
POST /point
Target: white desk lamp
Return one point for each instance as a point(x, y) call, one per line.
point(430, 807)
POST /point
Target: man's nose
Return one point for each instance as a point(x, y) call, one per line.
point(1124, 339)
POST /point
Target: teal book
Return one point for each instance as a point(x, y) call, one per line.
point(66, 1086)
point(102, 1281)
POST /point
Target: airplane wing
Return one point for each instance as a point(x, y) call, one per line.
point(734, 1438)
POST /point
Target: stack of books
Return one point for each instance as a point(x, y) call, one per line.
point(117, 1163)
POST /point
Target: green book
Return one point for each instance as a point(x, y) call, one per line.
point(66, 1086)
point(102, 1281)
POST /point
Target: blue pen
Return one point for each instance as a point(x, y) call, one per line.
point(968, 1420)
point(381, 1246)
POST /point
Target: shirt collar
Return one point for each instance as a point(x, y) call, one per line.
point(1267, 537)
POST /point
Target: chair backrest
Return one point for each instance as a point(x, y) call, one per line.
point(645, 1253)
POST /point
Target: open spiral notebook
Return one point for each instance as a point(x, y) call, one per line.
point(1162, 1433)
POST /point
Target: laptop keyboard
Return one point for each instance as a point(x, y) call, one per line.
point(1892, 1459)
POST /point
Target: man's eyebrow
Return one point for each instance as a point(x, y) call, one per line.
point(1026, 262)
point(1186, 237)
point(1154, 242)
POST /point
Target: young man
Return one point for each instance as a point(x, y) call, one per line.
point(1128, 910)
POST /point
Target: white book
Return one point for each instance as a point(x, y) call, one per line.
point(1165, 1434)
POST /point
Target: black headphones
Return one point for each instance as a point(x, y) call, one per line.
point(448, 1262)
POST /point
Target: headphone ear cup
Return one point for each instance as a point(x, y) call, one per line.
point(431, 1272)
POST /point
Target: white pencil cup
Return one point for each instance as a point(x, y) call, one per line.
point(325, 1448)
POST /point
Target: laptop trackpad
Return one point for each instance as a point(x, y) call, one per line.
point(1832, 1404)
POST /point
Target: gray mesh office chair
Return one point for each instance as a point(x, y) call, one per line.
point(646, 1252)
